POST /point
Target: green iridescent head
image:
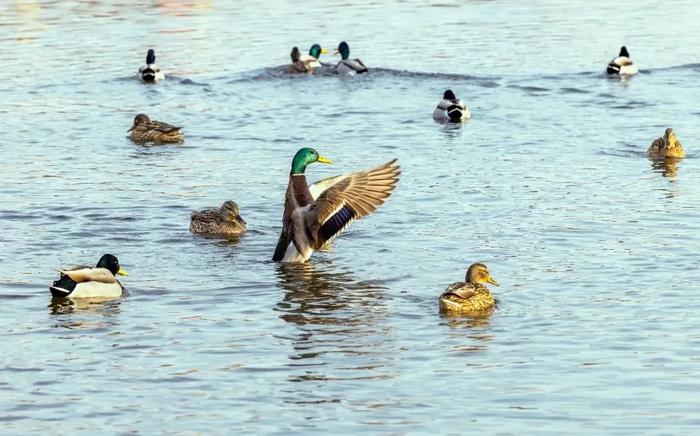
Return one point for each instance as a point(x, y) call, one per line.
point(304, 157)
point(343, 49)
point(317, 51)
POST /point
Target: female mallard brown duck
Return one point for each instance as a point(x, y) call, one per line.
point(316, 214)
point(88, 282)
point(223, 221)
point(297, 66)
point(347, 65)
point(146, 130)
point(150, 73)
point(470, 296)
point(668, 146)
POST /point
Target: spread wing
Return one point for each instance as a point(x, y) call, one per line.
point(317, 188)
point(352, 197)
point(102, 275)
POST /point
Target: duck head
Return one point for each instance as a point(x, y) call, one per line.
point(316, 51)
point(449, 95)
point(295, 54)
point(343, 49)
point(230, 212)
point(139, 119)
point(624, 52)
point(478, 273)
point(672, 146)
point(111, 263)
point(304, 157)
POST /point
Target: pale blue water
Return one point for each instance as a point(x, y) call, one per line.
point(596, 251)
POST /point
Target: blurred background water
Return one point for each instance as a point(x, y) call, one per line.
point(596, 250)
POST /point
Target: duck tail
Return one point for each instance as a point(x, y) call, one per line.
point(455, 113)
point(148, 75)
point(62, 287)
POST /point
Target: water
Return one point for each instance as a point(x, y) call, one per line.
point(595, 249)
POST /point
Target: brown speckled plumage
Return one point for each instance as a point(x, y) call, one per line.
point(470, 296)
point(223, 221)
point(146, 130)
point(667, 146)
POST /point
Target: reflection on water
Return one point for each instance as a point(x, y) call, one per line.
point(81, 313)
point(336, 317)
point(668, 167)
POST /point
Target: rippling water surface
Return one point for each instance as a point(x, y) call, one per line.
point(597, 328)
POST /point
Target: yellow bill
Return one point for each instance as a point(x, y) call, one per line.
point(490, 279)
point(324, 51)
point(122, 272)
point(324, 160)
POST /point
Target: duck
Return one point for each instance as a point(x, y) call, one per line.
point(297, 66)
point(469, 296)
point(345, 65)
point(315, 215)
point(622, 65)
point(667, 146)
point(146, 130)
point(150, 73)
point(310, 60)
point(88, 282)
point(451, 109)
point(223, 221)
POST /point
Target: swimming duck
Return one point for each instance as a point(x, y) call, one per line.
point(296, 66)
point(451, 109)
point(622, 64)
point(310, 60)
point(470, 296)
point(146, 130)
point(348, 66)
point(314, 215)
point(88, 282)
point(150, 73)
point(668, 146)
point(223, 221)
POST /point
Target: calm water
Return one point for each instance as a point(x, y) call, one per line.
point(598, 327)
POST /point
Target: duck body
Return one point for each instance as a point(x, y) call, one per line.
point(309, 61)
point(667, 146)
point(150, 73)
point(224, 221)
point(451, 109)
point(297, 66)
point(346, 65)
point(312, 219)
point(145, 130)
point(88, 282)
point(469, 296)
point(622, 65)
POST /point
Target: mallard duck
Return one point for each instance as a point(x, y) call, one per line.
point(88, 282)
point(150, 73)
point(668, 146)
point(470, 296)
point(317, 214)
point(223, 221)
point(297, 66)
point(146, 130)
point(348, 66)
point(622, 65)
point(310, 60)
point(451, 109)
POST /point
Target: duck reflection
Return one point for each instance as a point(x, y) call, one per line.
point(668, 167)
point(66, 312)
point(339, 322)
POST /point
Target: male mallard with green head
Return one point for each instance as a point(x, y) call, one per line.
point(310, 60)
point(88, 282)
point(150, 73)
point(346, 65)
point(223, 221)
point(146, 130)
point(451, 109)
point(668, 146)
point(470, 296)
point(316, 214)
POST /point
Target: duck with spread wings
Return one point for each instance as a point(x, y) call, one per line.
point(316, 214)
